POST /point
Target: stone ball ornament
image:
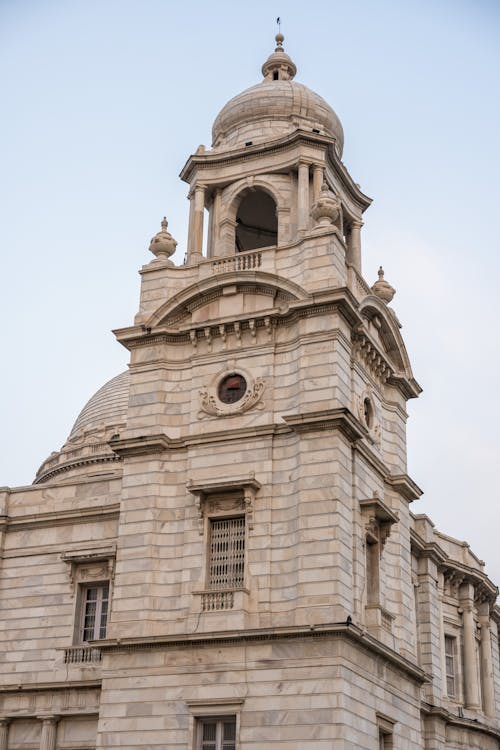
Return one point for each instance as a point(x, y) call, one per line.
point(382, 289)
point(163, 244)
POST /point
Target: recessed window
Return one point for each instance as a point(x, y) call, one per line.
point(94, 601)
point(217, 733)
point(368, 412)
point(450, 651)
point(226, 553)
point(232, 388)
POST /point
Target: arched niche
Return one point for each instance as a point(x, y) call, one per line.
point(256, 221)
point(254, 202)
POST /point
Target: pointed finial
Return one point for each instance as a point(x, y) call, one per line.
point(382, 289)
point(279, 66)
point(163, 244)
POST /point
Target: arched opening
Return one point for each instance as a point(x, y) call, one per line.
point(256, 222)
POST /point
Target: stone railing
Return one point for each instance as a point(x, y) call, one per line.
point(238, 262)
point(214, 600)
point(82, 655)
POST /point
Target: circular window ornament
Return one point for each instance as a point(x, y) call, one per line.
point(232, 388)
point(233, 391)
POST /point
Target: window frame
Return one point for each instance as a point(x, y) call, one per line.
point(451, 639)
point(81, 611)
point(223, 518)
point(216, 709)
point(219, 721)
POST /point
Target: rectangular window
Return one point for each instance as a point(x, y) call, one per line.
point(226, 554)
point(450, 650)
point(94, 612)
point(217, 734)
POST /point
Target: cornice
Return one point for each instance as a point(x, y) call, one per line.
point(405, 486)
point(474, 724)
point(485, 589)
point(46, 476)
point(327, 419)
point(25, 687)
point(62, 517)
point(336, 630)
point(321, 302)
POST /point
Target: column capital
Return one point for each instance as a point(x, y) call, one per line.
point(5, 721)
point(49, 719)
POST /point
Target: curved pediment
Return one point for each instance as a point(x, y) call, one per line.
point(227, 295)
point(384, 328)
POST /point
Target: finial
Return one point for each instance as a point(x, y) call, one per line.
point(382, 289)
point(279, 37)
point(279, 66)
point(163, 244)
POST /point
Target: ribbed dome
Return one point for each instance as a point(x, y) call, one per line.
point(107, 407)
point(274, 108)
point(104, 415)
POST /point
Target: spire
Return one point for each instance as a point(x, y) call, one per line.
point(279, 66)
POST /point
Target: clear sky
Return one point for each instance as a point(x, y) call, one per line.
point(103, 101)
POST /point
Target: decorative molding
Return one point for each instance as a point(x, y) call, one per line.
point(248, 486)
point(379, 519)
point(340, 419)
point(77, 559)
point(211, 405)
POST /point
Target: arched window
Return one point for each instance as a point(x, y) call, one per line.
point(256, 222)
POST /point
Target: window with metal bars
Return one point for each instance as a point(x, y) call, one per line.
point(226, 553)
point(217, 734)
point(94, 601)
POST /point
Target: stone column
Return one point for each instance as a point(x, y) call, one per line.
point(303, 198)
point(318, 177)
point(199, 208)
point(195, 236)
point(4, 732)
point(472, 699)
point(487, 661)
point(213, 231)
point(354, 255)
point(49, 732)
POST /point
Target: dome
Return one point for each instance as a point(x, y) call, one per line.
point(103, 416)
point(106, 408)
point(274, 108)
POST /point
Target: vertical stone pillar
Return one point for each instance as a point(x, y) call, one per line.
point(195, 236)
point(213, 229)
point(4, 732)
point(472, 699)
point(49, 732)
point(487, 661)
point(318, 177)
point(354, 254)
point(303, 198)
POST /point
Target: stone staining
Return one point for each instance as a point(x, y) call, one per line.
point(223, 549)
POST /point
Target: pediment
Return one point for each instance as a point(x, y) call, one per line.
point(383, 328)
point(222, 299)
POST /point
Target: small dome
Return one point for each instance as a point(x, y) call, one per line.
point(274, 108)
point(107, 407)
point(104, 415)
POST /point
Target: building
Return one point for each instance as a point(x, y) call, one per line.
point(222, 556)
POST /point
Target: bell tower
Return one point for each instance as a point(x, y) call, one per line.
point(266, 419)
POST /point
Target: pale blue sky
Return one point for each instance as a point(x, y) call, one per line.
point(104, 101)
